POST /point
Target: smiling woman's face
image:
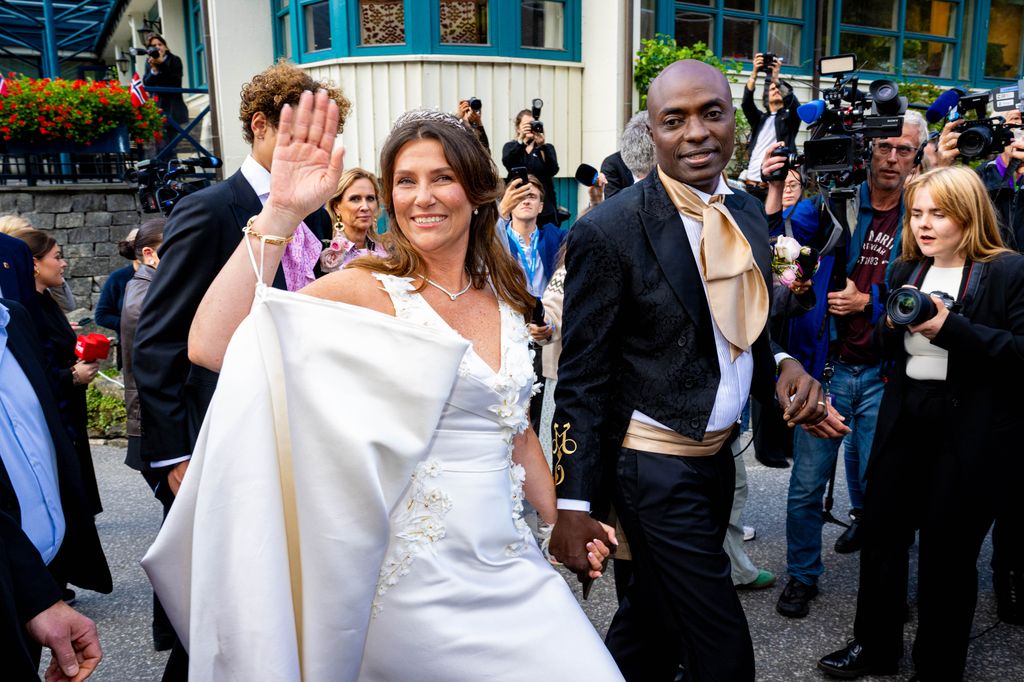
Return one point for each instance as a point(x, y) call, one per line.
point(430, 205)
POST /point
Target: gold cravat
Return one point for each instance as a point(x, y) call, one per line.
point(737, 292)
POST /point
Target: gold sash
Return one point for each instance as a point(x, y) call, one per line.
point(640, 436)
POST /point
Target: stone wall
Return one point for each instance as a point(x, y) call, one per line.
point(87, 220)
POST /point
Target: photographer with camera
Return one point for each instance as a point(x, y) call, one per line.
point(835, 338)
point(779, 124)
point(530, 150)
point(164, 70)
point(951, 404)
point(469, 113)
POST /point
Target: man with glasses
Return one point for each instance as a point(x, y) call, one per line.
point(848, 316)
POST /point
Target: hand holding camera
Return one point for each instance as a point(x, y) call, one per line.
point(919, 312)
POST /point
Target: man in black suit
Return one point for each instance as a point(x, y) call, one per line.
point(26, 398)
point(33, 614)
point(633, 161)
point(201, 234)
point(655, 368)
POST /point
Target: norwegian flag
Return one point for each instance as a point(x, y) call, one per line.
point(3, 86)
point(139, 94)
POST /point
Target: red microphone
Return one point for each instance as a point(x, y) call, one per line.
point(92, 347)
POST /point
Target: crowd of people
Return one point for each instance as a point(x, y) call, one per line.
point(591, 380)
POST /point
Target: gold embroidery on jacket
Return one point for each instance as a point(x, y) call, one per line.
point(561, 445)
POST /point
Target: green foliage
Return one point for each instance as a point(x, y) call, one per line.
point(657, 53)
point(921, 92)
point(106, 413)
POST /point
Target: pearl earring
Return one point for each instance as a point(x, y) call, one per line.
point(476, 211)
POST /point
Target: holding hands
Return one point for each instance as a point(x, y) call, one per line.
point(578, 541)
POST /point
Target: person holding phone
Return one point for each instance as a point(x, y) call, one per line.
point(531, 150)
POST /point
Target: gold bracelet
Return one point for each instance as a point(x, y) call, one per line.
point(266, 239)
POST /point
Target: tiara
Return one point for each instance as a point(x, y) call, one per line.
point(418, 115)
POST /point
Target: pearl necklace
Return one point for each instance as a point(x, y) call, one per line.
point(450, 294)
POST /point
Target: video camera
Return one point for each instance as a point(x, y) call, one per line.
point(981, 136)
point(843, 122)
point(163, 183)
point(151, 51)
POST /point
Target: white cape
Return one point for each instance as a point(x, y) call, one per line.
point(267, 563)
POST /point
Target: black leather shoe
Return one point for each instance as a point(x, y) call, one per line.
point(795, 599)
point(852, 538)
point(851, 662)
point(1009, 588)
point(772, 462)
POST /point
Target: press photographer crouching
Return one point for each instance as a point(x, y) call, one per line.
point(950, 406)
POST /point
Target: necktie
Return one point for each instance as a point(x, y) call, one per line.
point(737, 292)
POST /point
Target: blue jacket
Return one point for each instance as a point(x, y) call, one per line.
point(549, 240)
point(807, 340)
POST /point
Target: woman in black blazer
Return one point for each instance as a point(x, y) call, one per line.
point(940, 462)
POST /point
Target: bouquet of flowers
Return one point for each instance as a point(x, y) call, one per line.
point(792, 262)
point(46, 110)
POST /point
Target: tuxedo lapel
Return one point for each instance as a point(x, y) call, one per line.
point(667, 236)
point(245, 205)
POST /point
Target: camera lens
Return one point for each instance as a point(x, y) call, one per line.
point(909, 306)
point(974, 142)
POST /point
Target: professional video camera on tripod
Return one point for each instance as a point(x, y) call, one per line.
point(163, 183)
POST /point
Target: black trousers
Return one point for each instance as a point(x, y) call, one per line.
point(681, 606)
point(919, 481)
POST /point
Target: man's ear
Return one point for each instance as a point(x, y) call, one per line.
point(258, 125)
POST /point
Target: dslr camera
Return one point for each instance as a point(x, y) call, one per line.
point(535, 125)
point(769, 60)
point(163, 183)
point(981, 136)
point(844, 122)
point(907, 306)
point(151, 51)
point(474, 103)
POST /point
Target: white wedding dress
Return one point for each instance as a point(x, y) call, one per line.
point(351, 511)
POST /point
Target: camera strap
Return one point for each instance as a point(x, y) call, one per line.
point(971, 280)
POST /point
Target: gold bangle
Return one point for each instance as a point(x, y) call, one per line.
point(266, 239)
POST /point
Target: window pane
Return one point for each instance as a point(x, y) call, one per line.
point(937, 18)
point(786, 8)
point(282, 4)
point(878, 13)
point(784, 41)
point(740, 38)
point(464, 22)
point(693, 27)
point(285, 32)
point(318, 26)
point(381, 22)
point(648, 18)
point(874, 53)
point(543, 23)
point(746, 5)
point(965, 40)
point(1003, 50)
point(927, 58)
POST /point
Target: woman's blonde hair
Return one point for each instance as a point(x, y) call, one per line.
point(14, 224)
point(348, 178)
point(959, 193)
point(486, 258)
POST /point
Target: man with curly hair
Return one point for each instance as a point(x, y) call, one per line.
point(201, 233)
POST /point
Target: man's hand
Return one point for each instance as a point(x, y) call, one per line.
point(515, 192)
point(831, 427)
point(930, 328)
point(578, 541)
point(758, 66)
point(770, 163)
point(849, 301)
point(71, 637)
point(467, 114)
point(176, 475)
point(540, 334)
point(1016, 149)
point(800, 396)
point(85, 372)
point(947, 151)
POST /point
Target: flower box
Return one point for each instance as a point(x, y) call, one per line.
point(111, 142)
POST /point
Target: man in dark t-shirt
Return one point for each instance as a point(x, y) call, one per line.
point(856, 386)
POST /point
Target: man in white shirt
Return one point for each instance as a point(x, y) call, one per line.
point(779, 123)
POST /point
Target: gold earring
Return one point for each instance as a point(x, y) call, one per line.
point(338, 225)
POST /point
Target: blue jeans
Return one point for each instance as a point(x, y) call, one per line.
point(856, 393)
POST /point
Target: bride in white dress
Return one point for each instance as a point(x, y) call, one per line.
point(463, 592)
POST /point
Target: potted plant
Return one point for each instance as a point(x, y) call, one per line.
point(52, 116)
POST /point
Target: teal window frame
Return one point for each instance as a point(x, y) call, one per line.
point(195, 40)
point(345, 32)
point(666, 24)
point(982, 15)
point(900, 35)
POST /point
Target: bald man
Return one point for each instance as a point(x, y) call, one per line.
point(661, 349)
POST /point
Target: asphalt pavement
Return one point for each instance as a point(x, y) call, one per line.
point(786, 650)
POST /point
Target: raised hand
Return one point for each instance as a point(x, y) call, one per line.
point(307, 164)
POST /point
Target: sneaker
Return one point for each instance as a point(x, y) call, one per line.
point(763, 580)
point(794, 602)
point(749, 533)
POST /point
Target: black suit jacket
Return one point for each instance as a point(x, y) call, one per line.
point(201, 234)
point(984, 375)
point(80, 558)
point(16, 281)
point(619, 176)
point(637, 331)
